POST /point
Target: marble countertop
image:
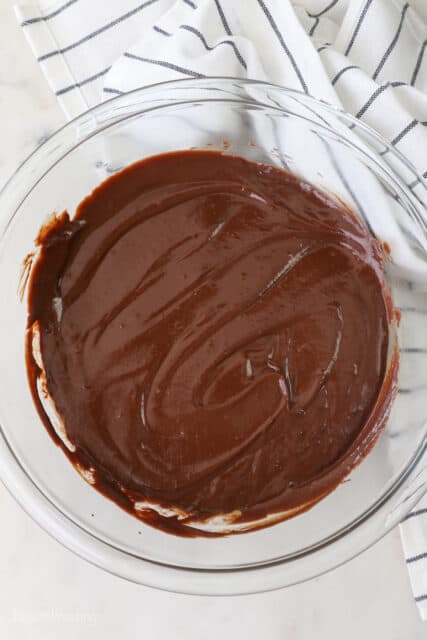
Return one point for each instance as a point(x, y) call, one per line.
point(48, 593)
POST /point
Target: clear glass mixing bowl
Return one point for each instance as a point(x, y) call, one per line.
point(322, 145)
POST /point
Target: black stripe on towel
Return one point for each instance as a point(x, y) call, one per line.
point(421, 598)
point(283, 44)
point(48, 16)
point(414, 514)
point(408, 391)
point(339, 74)
point(223, 18)
point(419, 62)
point(358, 25)
point(168, 65)
point(113, 23)
point(401, 135)
point(190, 4)
point(419, 556)
point(422, 312)
point(325, 10)
point(162, 31)
point(228, 31)
point(406, 130)
point(202, 38)
point(111, 90)
point(392, 43)
point(61, 92)
point(375, 95)
point(313, 28)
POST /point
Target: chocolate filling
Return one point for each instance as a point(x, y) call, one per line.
point(213, 336)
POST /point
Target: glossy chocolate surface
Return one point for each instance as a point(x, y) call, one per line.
point(213, 335)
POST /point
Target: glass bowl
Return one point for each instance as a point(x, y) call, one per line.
point(324, 146)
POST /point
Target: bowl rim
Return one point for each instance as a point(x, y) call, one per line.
point(20, 487)
point(334, 109)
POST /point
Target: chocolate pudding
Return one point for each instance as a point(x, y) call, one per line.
point(209, 336)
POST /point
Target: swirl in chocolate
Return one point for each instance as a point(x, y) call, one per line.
point(213, 337)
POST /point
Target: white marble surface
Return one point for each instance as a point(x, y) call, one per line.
point(48, 593)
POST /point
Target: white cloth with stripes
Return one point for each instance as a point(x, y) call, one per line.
point(368, 56)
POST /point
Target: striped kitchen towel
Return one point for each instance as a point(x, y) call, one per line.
point(367, 56)
point(413, 531)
